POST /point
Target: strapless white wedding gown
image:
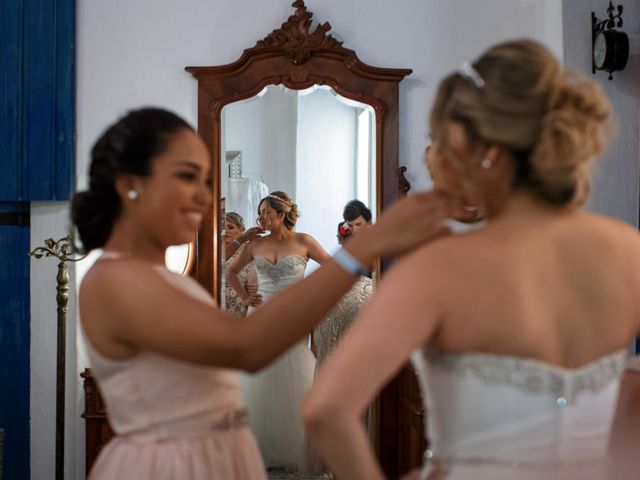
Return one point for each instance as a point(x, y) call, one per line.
point(504, 418)
point(273, 396)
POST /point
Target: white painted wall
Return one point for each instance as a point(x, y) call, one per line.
point(131, 54)
point(615, 189)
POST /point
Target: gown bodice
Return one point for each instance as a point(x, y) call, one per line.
point(275, 277)
point(500, 413)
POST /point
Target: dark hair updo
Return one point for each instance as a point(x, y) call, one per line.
point(126, 147)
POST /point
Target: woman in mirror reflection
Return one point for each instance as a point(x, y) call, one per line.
point(235, 240)
point(164, 355)
point(273, 395)
point(518, 330)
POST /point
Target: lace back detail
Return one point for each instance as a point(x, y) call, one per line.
point(529, 374)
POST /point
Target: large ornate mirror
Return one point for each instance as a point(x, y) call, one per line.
point(297, 113)
point(313, 64)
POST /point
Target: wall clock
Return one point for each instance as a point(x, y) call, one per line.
point(610, 47)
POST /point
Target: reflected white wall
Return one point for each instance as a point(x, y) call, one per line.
point(304, 143)
point(326, 157)
point(264, 130)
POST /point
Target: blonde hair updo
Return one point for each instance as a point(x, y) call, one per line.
point(236, 219)
point(551, 120)
point(282, 204)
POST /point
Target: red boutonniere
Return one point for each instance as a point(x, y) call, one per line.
point(344, 229)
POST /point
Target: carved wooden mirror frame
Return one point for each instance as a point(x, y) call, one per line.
point(298, 58)
point(294, 56)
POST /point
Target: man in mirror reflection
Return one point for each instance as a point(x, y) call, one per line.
point(357, 215)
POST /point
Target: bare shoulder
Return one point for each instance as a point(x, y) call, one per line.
point(613, 231)
point(433, 261)
point(108, 279)
point(613, 224)
point(305, 239)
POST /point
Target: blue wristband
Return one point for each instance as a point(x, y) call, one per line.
point(349, 263)
point(237, 242)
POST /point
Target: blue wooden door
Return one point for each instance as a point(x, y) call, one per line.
point(37, 162)
point(14, 338)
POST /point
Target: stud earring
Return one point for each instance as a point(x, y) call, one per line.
point(132, 194)
point(486, 163)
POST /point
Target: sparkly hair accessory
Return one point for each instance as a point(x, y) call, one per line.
point(468, 72)
point(276, 197)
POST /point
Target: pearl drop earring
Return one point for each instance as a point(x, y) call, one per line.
point(486, 163)
point(132, 194)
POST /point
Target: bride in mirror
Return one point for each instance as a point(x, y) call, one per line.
point(273, 396)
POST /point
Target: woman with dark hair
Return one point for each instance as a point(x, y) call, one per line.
point(273, 395)
point(164, 356)
point(518, 330)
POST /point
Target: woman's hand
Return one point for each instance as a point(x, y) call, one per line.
point(255, 299)
point(250, 233)
point(407, 224)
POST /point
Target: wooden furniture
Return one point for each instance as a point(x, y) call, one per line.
point(98, 431)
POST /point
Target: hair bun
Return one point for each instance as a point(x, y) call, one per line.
point(93, 218)
point(572, 134)
point(282, 203)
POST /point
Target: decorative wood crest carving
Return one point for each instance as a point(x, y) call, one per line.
point(294, 36)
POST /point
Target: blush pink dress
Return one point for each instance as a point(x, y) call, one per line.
point(173, 420)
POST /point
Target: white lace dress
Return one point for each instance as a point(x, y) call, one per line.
point(273, 395)
point(326, 337)
point(503, 418)
point(328, 332)
point(232, 302)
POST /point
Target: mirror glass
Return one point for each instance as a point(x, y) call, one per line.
point(320, 149)
point(313, 144)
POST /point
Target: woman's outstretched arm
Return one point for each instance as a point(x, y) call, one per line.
point(233, 273)
point(244, 237)
point(132, 307)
